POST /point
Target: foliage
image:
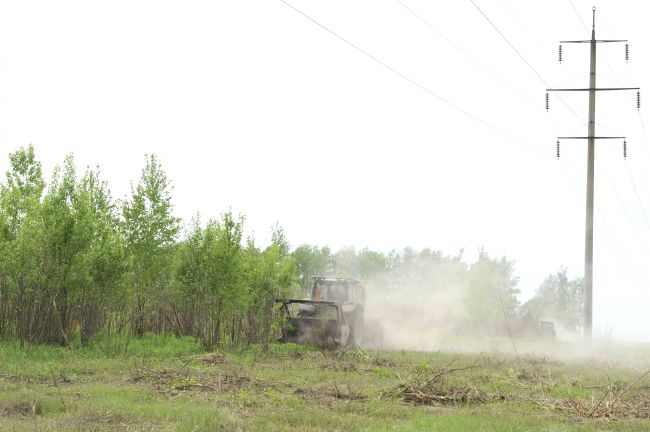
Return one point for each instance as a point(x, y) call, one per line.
point(559, 299)
point(76, 266)
point(150, 231)
point(491, 297)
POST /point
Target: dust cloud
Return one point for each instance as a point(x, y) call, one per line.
point(414, 319)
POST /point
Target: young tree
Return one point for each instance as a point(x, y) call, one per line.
point(103, 263)
point(150, 231)
point(273, 275)
point(491, 297)
point(226, 280)
point(23, 189)
point(20, 199)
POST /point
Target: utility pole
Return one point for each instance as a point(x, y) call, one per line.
point(591, 150)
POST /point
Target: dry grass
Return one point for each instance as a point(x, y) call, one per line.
point(432, 388)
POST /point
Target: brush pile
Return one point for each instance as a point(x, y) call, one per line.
point(183, 378)
point(431, 387)
point(615, 403)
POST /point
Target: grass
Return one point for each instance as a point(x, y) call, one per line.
point(165, 383)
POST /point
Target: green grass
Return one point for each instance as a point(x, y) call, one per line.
point(165, 383)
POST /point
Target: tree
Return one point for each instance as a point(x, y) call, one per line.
point(346, 263)
point(20, 229)
point(103, 260)
point(559, 299)
point(274, 276)
point(150, 230)
point(491, 297)
point(312, 261)
point(226, 281)
point(23, 189)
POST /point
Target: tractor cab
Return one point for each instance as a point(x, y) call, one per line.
point(338, 290)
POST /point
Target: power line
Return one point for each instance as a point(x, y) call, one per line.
point(510, 43)
point(578, 15)
point(462, 51)
point(645, 138)
point(603, 220)
point(620, 201)
point(638, 197)
point(602, 235)
point(521, 56)
point(415, 83)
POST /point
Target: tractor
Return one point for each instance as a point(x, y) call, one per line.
point(333, 316)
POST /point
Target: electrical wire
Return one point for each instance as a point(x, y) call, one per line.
point(603, 237)
point(416, 83)
point(462, 51)
point(607, 225)
point(638, 197)
point(521, 56)
point(578, 15)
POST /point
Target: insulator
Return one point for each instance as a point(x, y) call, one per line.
point(560, 53)
point(627, 52)
point(546, 101)
point(557, 149)
point(624, 149)
point(638, 100)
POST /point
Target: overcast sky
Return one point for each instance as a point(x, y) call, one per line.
point(253, 107)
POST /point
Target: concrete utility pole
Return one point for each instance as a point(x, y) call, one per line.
point(591, 149)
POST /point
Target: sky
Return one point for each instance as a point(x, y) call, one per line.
point(419, 125)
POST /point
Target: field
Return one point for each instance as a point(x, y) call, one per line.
point(163, 383)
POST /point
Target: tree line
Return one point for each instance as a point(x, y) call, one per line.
point(487, 289)
point(78, 265)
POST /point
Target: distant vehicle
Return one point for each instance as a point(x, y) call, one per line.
point(333, 316)
point(546, 329)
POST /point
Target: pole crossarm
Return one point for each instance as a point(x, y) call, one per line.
point(596, 89)
point(586, 137)
point(597, 41)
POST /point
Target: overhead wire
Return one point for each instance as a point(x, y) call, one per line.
point(638, 197)
point(416, 83)
point(521, 56)
point(462, 51)
point(603, 237)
